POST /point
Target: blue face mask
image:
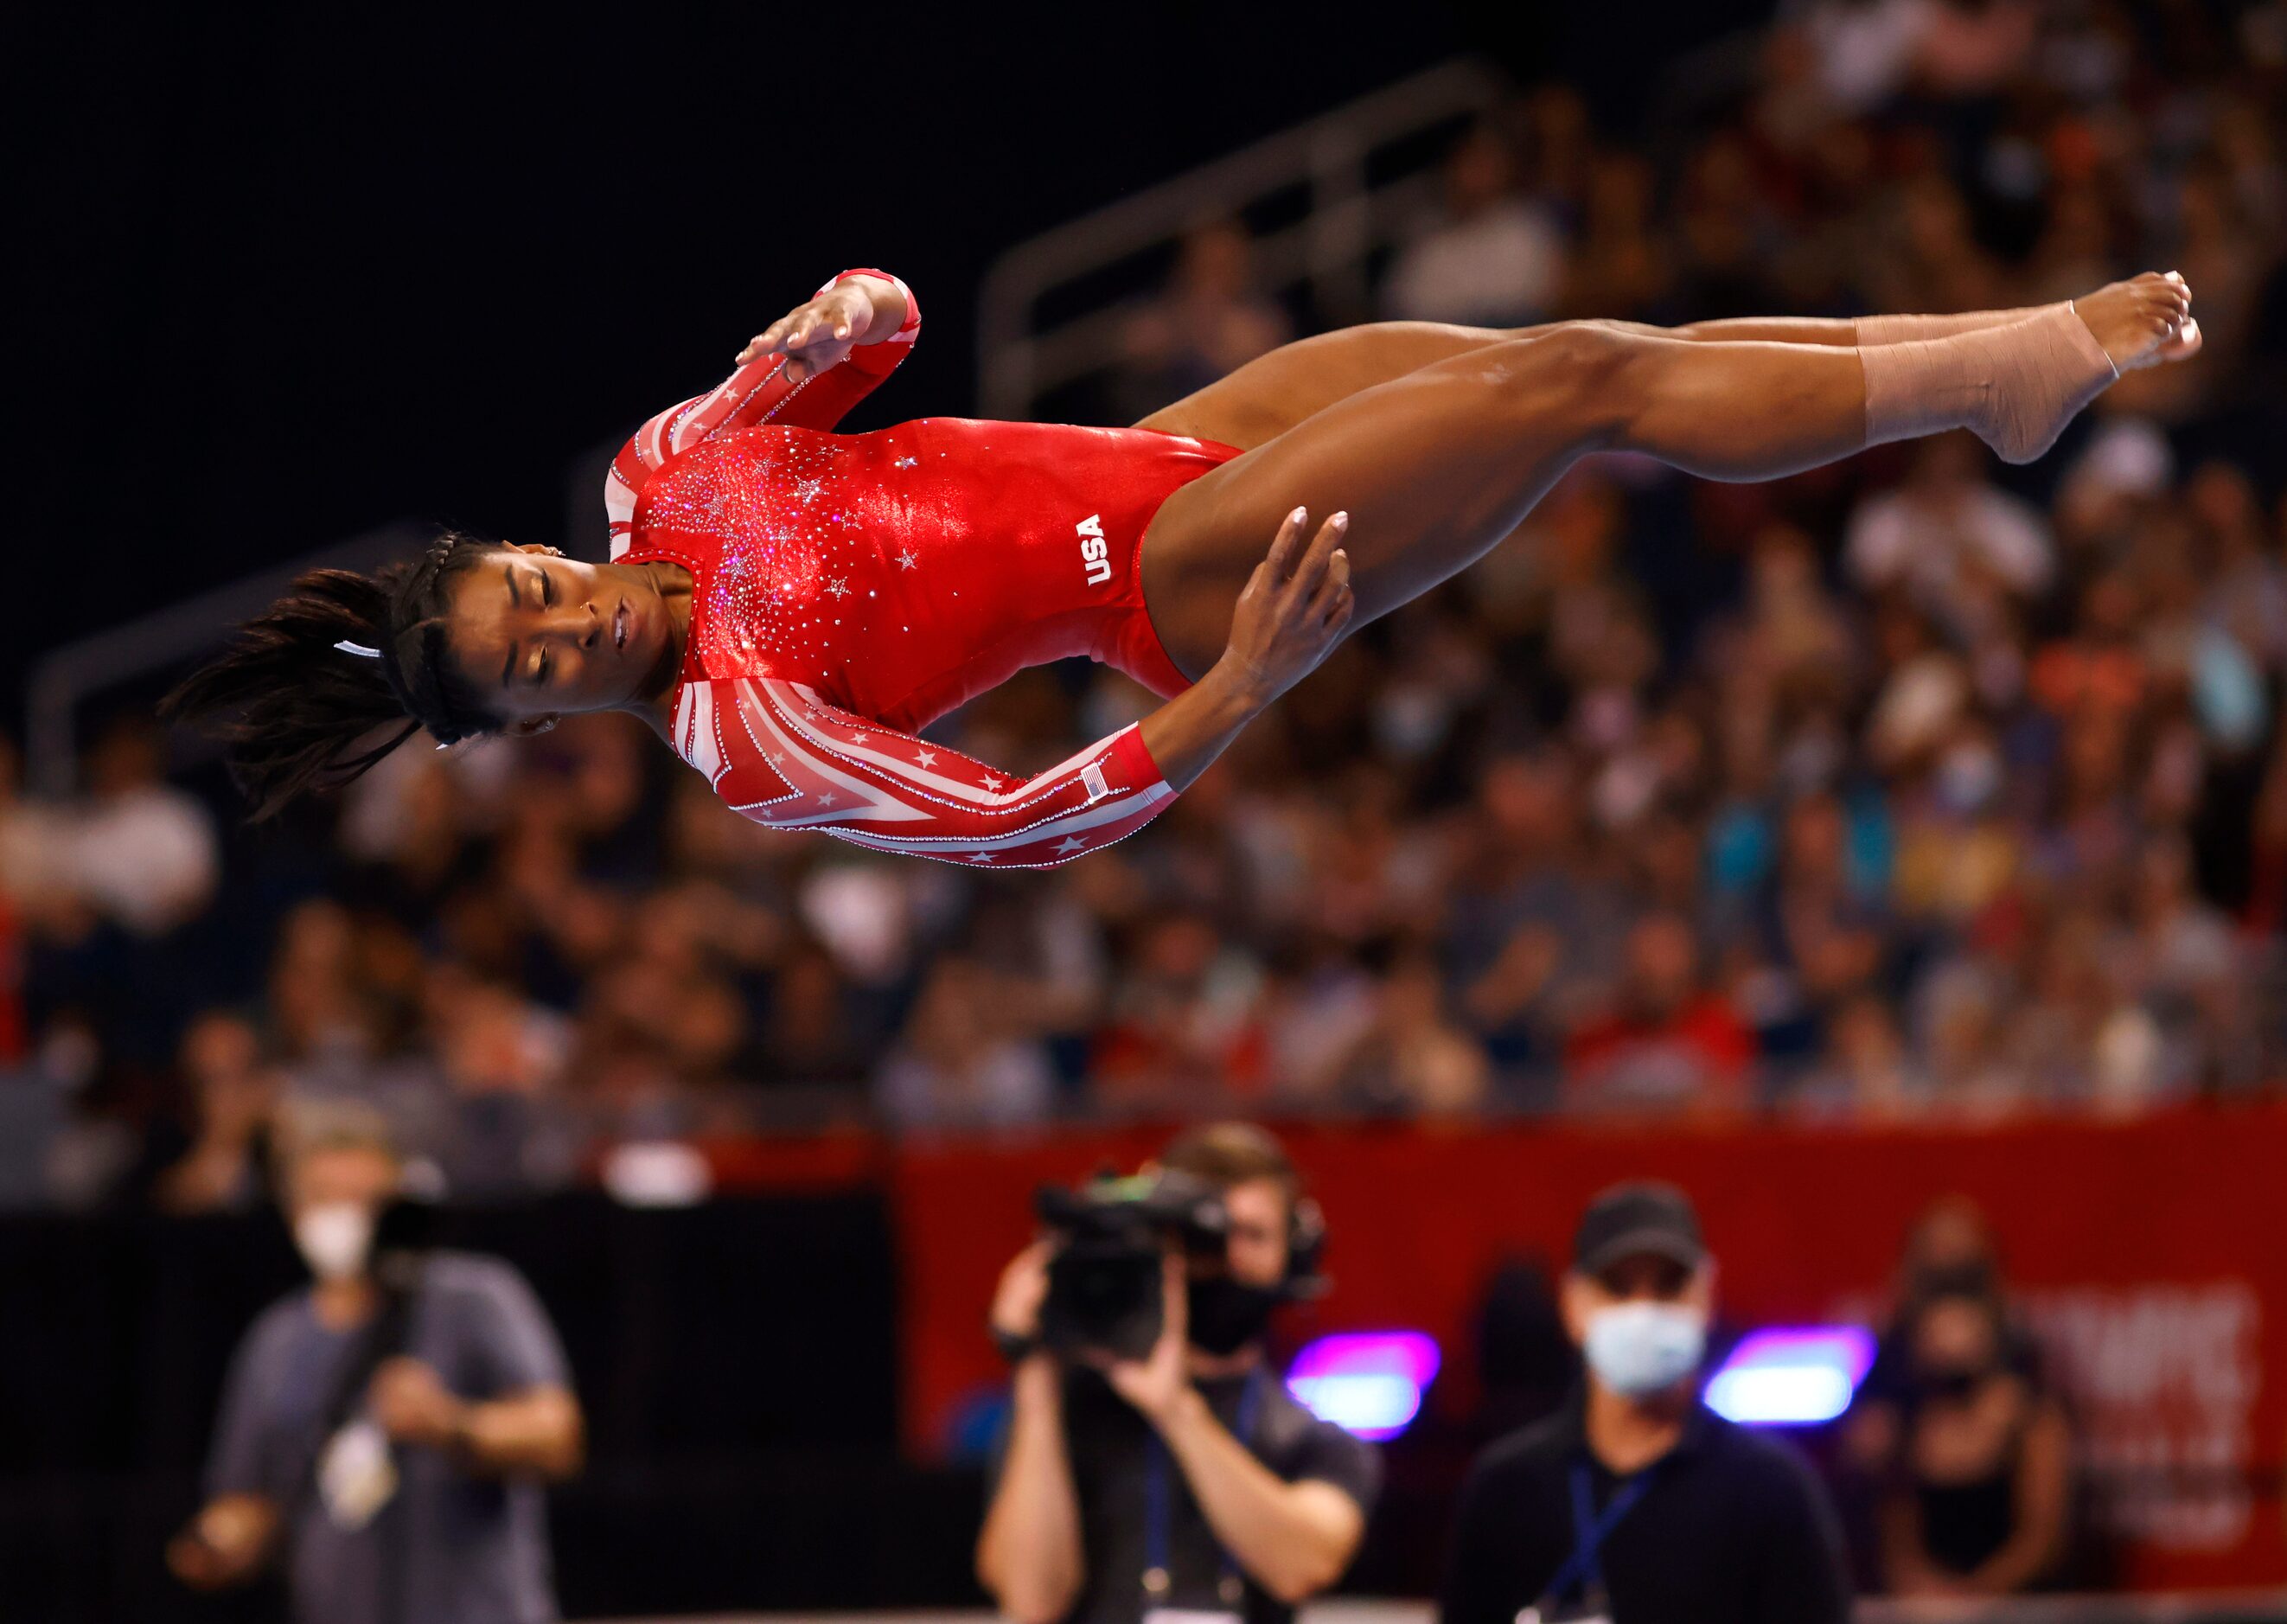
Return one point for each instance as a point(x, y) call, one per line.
point(1638, 1348)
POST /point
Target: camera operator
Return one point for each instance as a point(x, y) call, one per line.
point(1187, 1481)
point(384, 1432)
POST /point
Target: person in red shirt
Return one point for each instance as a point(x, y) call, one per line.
point(1670, 1044)
point(789, 606)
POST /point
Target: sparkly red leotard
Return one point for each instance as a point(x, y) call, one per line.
point(848, 590)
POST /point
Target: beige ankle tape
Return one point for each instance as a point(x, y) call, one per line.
point(1908, 329)
point(2015, 386)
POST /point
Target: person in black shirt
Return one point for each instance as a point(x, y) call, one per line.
point(1636, 1503)
point(1981, 1503)
point(1189, 1482)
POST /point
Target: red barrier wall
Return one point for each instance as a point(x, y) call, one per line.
point(2150, 1255)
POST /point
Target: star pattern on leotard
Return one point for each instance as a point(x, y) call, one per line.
point(1069, 844)
point(909, 461)
point(839, 586)
point(807, 491)
point(908, 560)
point(925, 759)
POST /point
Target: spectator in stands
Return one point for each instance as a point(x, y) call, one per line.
point(963, 1061)
point(1492, 257)
point(1414, 1061)
point(1190, 1481)
point(1947, 537)
point(232, 1092)
point(1672, 1045)
point(141, 851)
point(385, 1441)
point(1635, 1503)
point(1623, 267)
point(1982, 1500)
point(1866, 1074)
point(1209, 319)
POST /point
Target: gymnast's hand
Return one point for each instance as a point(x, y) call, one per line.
point(1295, 608)
point(821, 334)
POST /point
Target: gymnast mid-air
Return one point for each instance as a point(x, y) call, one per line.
point(789, 606)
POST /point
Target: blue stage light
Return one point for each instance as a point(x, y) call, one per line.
point(1791, 1378)
point(1367, 1382)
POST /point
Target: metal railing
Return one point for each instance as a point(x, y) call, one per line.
point(1353, 209)
point(66, 679)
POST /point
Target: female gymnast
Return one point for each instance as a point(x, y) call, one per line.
point(789, 606)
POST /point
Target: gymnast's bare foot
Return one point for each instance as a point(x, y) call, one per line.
point(2144, 321)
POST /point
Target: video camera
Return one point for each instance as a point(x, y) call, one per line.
point(1104, 1282)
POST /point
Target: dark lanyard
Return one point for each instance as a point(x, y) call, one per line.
point(1589, 1531)
point(1228, 1586)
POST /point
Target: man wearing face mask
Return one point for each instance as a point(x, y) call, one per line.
point(385, 1439)
point(1188, 1484)
point(1636, 1504)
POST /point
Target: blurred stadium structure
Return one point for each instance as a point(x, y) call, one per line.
point(1345, 180)
point(1911, 826)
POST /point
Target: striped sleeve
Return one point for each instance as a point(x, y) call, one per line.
point(779, 756)
point(756, 393)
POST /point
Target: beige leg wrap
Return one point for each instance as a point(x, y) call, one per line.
point(2014, 386)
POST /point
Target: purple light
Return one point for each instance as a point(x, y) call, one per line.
point(1366, 1382)
point(1794, 1377)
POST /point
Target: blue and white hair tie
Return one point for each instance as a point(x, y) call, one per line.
point(348, 647)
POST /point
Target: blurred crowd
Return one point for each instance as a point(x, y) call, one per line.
point(1913, 790)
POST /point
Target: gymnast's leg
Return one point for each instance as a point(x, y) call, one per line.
point(1271, 394)
point(1439, 464)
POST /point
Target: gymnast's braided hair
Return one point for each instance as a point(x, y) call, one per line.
point(302, 692)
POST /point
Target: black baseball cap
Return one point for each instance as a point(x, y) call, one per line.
point(1634, 1219)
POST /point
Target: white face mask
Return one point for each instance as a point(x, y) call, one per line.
point(1638, 1348)
point(334, 1239)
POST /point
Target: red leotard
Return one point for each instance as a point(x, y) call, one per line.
point(848, 590)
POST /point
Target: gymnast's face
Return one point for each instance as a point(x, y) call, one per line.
point(541, 636)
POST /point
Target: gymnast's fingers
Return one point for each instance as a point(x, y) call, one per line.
point(1286, 546)
point(1315, 563)
point(770, 339)
point(1334, 591)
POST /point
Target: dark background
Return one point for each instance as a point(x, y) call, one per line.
point(285, 274)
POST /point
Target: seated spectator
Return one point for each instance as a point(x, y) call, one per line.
point(1866, 1074)
point(1982, 1501)
point(1185, 1027)
point(141, 851)
point(232, 1092)
point(503, 1060)
point(1414, 1061)
point(1624, 265)
point(1210, 321)
point(962, 1060)
point(1672, 1044)
point(1947, 532)
point(1491, 257)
